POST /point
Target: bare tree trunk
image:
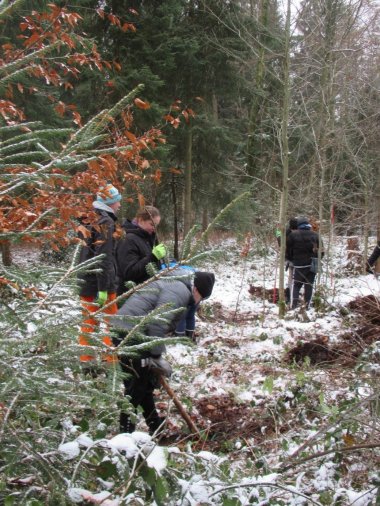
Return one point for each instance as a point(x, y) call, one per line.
point(259, 83)
point(175, 213)
point(214, 102)
point(377, 204)
point(366, 228)
point(6, 253)
point(204, 219)
point(285, 160)
point(188, 180)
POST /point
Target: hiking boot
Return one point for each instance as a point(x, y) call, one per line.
point(156, 425)
point(126, 424)
point(191, 334)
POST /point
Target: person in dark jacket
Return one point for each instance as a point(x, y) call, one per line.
point(178, 293)
point(301, 247)
point(98, 289)
point(139, 247)
point(291, 226)
point(373, 258)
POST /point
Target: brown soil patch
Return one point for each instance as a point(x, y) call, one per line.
point(316, 351)
point(354, 342)
point(222, 418)
point(368, 307)
point(220, 313)
point(269, 294)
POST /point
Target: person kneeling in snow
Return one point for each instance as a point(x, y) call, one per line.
point(142, 372)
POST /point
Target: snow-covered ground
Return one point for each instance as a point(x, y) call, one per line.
point(279, 432)
point(239, 370)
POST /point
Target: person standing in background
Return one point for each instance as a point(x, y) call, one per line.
point(139, 247)
point(99, 289)
point(301, 248)
point(292, 225)
point(371, 262)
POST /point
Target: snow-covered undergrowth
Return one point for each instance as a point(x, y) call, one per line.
point(271, 430)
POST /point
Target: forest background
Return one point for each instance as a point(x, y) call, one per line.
point(186, 105)
point(241, 98)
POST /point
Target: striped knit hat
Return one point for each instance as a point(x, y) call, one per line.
point(108, 195)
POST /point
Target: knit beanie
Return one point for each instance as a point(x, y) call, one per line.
point(108, 195)
point(302, 220)
point(204, 283)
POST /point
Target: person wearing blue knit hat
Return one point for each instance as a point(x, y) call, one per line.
point(99, 289)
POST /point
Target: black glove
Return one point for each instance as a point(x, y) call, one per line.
point(157, 365)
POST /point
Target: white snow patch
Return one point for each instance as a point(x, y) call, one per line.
point(84, 440)
point(141, 438)
point(205, 455)
point(31, 327)
point(78, 495)
point(68, 426)
point(324, 477)
point(124, 443)
point(69, 450)
point(157, 459)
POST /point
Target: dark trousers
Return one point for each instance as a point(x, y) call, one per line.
point(302, 277)
point(139, 387)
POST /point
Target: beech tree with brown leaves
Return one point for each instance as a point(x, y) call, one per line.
point(50, 174)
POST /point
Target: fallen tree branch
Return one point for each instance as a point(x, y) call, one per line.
point(266, 484)
point(345, 449)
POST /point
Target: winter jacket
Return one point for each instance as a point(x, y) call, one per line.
point(133, 254)
point(177, 293)
point(288, 231)
point(102, 240)
point(374, 256)
point(301, 246)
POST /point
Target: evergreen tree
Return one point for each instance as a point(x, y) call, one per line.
point(184, 72)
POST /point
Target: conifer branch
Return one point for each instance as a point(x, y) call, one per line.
point(8, 8)
point(9, 69)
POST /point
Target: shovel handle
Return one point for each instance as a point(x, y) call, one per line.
point(179, 406)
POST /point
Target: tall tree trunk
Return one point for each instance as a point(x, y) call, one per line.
point(377, 207)
point(326, 102)
point(366, 226)
point(285, 159)
point(254, 113)
point(175, 212)
point(188, 180)
point(326, 113)
point(6, 253)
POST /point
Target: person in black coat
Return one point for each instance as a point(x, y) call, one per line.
point(291, 226)
point(373, 258)
point(301, 247)
point(98, 289)
point(139, 247)
point(178, 293)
